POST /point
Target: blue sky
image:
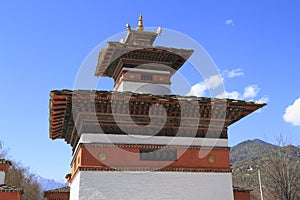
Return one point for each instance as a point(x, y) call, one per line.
point(43, 44)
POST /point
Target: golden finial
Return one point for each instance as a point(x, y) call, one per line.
point(140, 26)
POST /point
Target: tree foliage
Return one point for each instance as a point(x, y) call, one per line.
point(284, 172)
point(21, 177)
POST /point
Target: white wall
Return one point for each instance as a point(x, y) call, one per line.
point(74, 187)
point(155, 140)
point(101, 185)
point(144, 88)
point(2, 177)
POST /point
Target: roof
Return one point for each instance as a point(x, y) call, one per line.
point(140, 37)
point(137, 49)
point(3, 161)
point(239, 189)
point(117, 55)
point(8, 188)
point(82, 111)
point(65, 189)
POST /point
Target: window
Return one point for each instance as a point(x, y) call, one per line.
point(75, 162)
point(146, 77)
point(158, 154)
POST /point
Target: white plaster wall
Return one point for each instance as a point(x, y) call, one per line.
point(74, 187)
point(144, 88)
point(2, 177)
point(155, 140)
point(98, 185)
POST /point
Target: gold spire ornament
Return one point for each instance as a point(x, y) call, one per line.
point(140, 26)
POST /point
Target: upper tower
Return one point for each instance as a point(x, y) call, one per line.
point(142, 74)
point(138, 66)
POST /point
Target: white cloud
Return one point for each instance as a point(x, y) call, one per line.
point(229, 22)
point(292, 113)
point(212, 82)
point(230, 95)
point(251, 91)
point(198, 89)
point(263, 100)
point(233, 73)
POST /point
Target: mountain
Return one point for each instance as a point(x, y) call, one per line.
point(258, 141)
point(250, 150)
point(249, 156)
point(49, 184)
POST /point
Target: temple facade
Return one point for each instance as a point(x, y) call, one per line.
point(140, 141)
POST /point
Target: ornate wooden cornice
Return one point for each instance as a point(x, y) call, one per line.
point(75, 112)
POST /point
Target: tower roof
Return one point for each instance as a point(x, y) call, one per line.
point(137, 49)
point(65, 189)
point(3, 161)
point(9, 188)
point(91, 110)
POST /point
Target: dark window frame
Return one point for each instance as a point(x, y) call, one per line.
point(158, 154)
point(146, 77)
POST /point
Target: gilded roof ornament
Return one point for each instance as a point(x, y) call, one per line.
point(140, 26)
